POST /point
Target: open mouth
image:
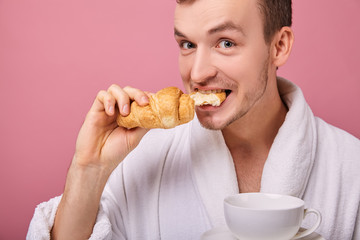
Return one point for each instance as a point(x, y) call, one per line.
point(210, 97)
point(227, 91)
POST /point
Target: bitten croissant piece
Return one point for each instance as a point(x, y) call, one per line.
point(167, 108)
point(214, 99)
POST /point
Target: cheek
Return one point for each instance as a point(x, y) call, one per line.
point(234, 68)
point(185, 70)
point(243, 68)
point(184, 67)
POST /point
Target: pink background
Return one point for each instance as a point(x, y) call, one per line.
point(56, 55)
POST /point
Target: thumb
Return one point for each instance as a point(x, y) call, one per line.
point(134, 137)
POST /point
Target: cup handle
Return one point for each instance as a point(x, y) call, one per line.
point(313, 228)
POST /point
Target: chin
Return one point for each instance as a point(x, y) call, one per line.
point(219, 120)
point(212, 123)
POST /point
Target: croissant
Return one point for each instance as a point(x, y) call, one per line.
point(167, 108)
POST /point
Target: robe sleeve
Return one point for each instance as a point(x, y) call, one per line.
point(109, 222)
point(43, 220)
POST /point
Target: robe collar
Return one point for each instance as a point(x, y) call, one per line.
point(286, 170)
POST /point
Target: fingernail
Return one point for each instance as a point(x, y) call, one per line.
point(144, 99)
point(111, 109)
point(125, 109)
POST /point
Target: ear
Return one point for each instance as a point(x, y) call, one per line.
point(282, 45)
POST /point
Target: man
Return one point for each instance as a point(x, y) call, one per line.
point(263, 137)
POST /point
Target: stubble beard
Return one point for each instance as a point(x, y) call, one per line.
point(250, 99)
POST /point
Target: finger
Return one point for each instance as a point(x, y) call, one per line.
point(149, 94)
point(104, 102)
point(139, 96)
point(109, 103)
point(122, 99)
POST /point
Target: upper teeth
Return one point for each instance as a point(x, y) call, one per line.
point(210, 91)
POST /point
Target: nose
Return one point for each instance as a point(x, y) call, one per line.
point(202, 68)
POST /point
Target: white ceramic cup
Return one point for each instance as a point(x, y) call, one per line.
point(263, 216)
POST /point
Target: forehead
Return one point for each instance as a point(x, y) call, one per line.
point(204, 14)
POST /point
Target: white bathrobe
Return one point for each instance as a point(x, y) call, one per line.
point(173, 184)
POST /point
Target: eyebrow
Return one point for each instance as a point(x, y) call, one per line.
point(178, 33)
point(226, 26)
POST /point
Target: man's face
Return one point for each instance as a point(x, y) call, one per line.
point(222, 47)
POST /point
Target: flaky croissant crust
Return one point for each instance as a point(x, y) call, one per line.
point(167, 108)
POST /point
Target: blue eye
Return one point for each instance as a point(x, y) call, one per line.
point(187, 45)
point(226, 44)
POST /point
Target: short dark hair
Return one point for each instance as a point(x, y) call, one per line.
point(276, 14)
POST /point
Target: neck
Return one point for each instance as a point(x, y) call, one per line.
point(255, 132)
point(249, 138)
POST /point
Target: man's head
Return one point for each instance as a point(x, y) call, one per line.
point(276, 14)
point(224, 46)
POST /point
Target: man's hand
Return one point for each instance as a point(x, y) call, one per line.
point(100, 147)
point(101, 142)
